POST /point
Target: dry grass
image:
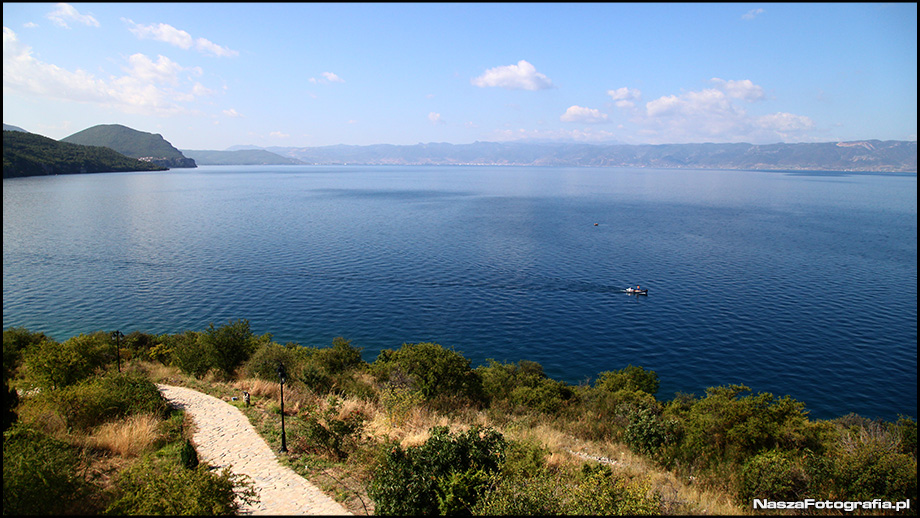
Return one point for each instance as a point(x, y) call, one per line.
point(128, 438)
point(410, 425)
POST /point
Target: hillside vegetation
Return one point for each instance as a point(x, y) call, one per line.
point(421, 431)
point(132, 143)
point(28, 154)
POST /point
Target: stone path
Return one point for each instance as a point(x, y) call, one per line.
point(225, 438)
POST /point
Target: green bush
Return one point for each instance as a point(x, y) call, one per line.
point(446, 475)
point(340, 358)
point(600, 492)
point(772, 475)
point(189, 353)
point(230, 345)
point(648, 432)
point(112, 396)
point(263, 363)
point(630, 378)
point(41, 475)
point(731, 425)
point(55, 365)
point(188, 456)
point(523, 385)
point(432, 370)
point(15, 341)
point(156, 486)
point(325, 433)
point(535, 493)
point(867, 463)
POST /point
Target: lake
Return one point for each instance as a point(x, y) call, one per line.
point(788, 282)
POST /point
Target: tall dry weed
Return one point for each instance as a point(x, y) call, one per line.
point(128, 438)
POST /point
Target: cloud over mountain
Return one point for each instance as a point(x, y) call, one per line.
point(522, 76)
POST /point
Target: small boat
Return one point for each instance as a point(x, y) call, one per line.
point(637, 291)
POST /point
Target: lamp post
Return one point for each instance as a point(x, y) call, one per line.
point(282, 374)
point(117, 336)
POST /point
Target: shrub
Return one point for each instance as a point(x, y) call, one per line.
point(867, 464)
point(229, 345)
point(609, 413)
point(524, 385)
point(772, 475)
point(15, 341)
point(340, 358)
point(600, 492)
point(55, 365)
point(630, 378)
point(188, 352)
point(113, 396)
point(326, 433)
point(263, 363)
point(41, 475)
point(446, 475)
point(648, 432)
point(156, 486)
point(432, 370)
point(728, 426)
point(188, 456)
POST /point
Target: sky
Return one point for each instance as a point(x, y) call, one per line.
point(215, 75)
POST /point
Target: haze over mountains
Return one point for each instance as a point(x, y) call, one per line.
point(865, 155)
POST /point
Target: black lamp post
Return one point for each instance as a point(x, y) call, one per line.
point(282, 374)
point(117, 336)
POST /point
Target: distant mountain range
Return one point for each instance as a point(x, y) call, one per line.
point(239, 157)
point(148, 147)
point(864, 155)
point(28, 154)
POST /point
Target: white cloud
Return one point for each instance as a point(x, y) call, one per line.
point(208, 47)
point(744, 89)
point(177, 37)
point(750, 15)
point(712, 115)
point(584, 115)
point(435, 118)
point(522, 76)
point(278, 134)
point(587, 135)
point(785, 122)
point(148, 86)
point(232, 113)
point(625, 97)
point(67, 12)
point(328, 77)
point(30, 25)
point(332, 78)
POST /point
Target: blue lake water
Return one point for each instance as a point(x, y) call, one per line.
point(792, 283)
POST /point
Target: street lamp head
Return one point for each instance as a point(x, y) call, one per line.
point(282, 373)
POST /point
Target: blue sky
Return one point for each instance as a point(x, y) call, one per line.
point(214, 75)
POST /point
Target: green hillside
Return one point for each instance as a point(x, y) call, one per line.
point(28, 154)
point(132, 143)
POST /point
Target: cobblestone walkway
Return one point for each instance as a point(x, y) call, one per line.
point(225, 438)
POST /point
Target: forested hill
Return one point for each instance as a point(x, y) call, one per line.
point(28, 154)
point(865, 155)
point(151, 147)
